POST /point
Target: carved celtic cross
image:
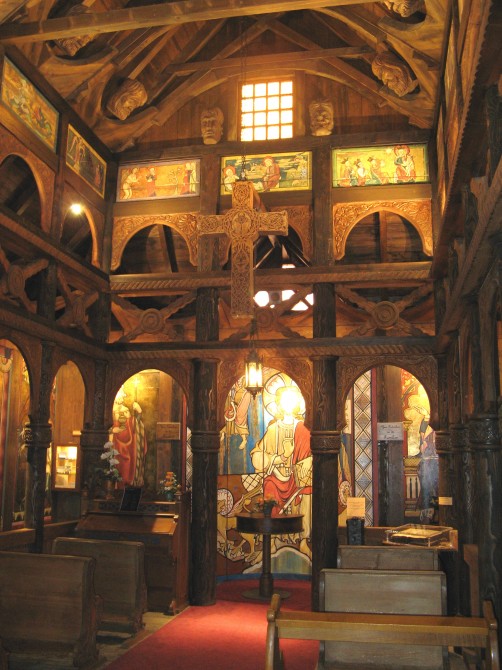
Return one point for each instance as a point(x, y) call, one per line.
point(243, 224)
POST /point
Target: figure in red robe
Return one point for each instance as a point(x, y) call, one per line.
point(283, 454)
point(129, 440)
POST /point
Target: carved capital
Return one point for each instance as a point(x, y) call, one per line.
point(37, 435)
point(325, 442)
point(205, 442)
point(443, 442)
point(93, 439)
point(484, 432)
point(459, 437)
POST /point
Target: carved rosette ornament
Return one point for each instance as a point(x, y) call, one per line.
point(346, 216)
point(125, 227)
point(394, 73)
point(385, 315)
point(130, 95)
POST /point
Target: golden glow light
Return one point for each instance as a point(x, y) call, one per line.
point(253, 373)
point(76, 208)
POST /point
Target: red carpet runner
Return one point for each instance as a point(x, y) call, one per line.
point(227, 636)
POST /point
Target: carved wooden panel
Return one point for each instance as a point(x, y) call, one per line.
point(125, 227)
point(347, 215)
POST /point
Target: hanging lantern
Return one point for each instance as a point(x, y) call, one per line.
point(254, 373)
point(254, 369)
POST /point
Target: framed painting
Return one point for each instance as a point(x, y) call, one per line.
point(29, 105)
point(83, 160)
point(158, 180)
point(376, 166)
point(269, 172)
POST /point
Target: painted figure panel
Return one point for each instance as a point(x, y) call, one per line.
point(29, 105)
point(284, 172)
point(83, 160)
point(377, 166)
point(159, 180)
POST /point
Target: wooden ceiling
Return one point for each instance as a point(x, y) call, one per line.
point(179, 51)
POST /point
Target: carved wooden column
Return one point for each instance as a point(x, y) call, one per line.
point(38, 438)
point(325, 438)
point(325, 445)
point(205, 434)
point(464, 482)
point(443, 448)
point(94, 434)
point(485, 440)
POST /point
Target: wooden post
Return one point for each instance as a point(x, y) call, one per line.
point(325, 437)
point(205, 435)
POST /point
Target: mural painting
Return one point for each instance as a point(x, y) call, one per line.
point(422, 489)
point(29, 105)
point(146, 431)
point(83, 160)
point(377, 166)
point(159, 180)
point(284, 172)
point(264, 455)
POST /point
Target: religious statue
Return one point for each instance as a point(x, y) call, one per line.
point(395, 74)
point(129, 440)
point(130, 95)
point(405, 8)
point(211, 124)
point(321, 117)
point(71, 45)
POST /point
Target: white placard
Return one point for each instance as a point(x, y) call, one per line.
point(390, 431)
point(356, 507)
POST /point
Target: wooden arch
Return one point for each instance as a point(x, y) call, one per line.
point(125, 227)
point(423, 367)
point(42, 173)
point(348, 215)
point(123, 370)
point(299, 370)
point(95, 257)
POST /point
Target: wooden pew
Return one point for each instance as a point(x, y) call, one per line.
point(364, 557)
point(119, 578)
point(386, 629)
point(383, 592)
point(48, 606)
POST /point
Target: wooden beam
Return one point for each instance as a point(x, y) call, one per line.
point(175, 13)
point(340, 52)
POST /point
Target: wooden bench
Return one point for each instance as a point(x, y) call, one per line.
point(119, 578)
point(387, 558)
point(48, 606)
point(387, 629)
point(383, 592)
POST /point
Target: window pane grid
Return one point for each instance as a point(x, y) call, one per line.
point(267, 110)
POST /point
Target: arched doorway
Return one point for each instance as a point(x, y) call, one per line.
point(388, 455)
point(149, 432)
point(264, 453)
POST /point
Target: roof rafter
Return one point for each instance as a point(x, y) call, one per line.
point(175, 13)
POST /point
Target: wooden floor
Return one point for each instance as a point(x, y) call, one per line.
point(111, 646)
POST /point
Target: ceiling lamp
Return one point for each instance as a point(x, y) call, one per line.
point(254, 369)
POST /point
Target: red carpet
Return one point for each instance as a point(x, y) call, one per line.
point(227, 636)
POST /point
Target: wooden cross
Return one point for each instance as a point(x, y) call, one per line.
point(243, 224)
